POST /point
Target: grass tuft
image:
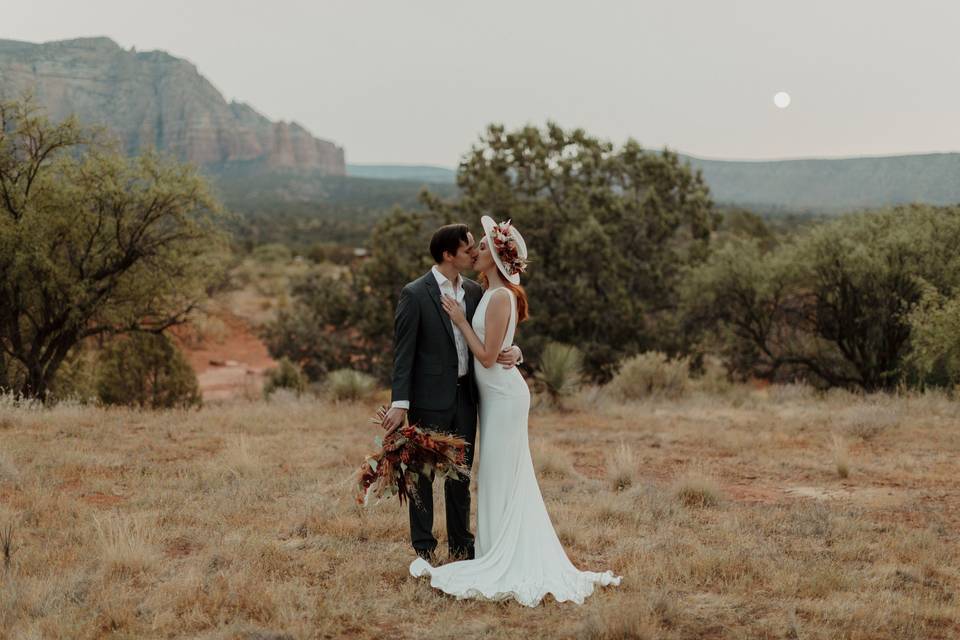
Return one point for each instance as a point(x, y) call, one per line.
point(622, 467)
point(126, 545)
point(841, 455)
point(694, 489)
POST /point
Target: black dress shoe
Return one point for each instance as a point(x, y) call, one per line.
point(426, 554)
point(461, 554)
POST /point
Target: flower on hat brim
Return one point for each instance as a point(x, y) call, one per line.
point(506, 247)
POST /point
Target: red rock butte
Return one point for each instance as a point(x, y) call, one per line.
point(153, 99)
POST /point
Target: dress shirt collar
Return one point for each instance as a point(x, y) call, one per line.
point(442, 279)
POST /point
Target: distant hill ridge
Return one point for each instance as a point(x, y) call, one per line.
point(156, 99)
point(818, 184)
point(834, 184)
point(409, 172)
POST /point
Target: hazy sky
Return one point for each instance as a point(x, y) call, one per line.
point(417, 82)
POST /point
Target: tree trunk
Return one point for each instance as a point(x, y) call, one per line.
point(35, 386)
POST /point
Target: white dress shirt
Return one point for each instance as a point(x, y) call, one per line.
point(446, 288)
point(463, 350)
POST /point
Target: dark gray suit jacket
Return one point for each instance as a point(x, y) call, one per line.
point(424, 351)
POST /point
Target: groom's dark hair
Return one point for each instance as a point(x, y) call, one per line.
point(447, 238)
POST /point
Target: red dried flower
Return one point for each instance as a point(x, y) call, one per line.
point(417, 449)
point(507, 248)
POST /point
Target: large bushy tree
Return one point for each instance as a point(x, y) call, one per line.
point(610, 232)
point(93, 243)
point(834, 304)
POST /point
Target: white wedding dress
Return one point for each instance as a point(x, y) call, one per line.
point(518, 554)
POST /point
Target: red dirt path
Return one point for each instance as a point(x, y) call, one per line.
point(230, 367)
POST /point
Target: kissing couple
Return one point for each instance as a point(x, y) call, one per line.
point(454, 358)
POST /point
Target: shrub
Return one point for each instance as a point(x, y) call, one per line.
point(796, 392)
point(866, 422)
point(205, 328)
point(273, 252)
point(934, 358)
point(697, 490)
point(651, 374)
point(714, 377)
point(833, 305)
point(77, 376)
point(560, 371)
point(147, 370)
point(350, 385)
point(286, 375)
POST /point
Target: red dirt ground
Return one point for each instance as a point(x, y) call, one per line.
point(230, 367)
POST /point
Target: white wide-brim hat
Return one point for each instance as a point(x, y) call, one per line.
point(488, 229)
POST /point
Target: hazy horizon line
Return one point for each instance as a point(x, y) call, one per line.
point(882, 156)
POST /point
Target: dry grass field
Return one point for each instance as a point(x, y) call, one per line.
point(752, 514)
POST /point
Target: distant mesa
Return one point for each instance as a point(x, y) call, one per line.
point(151, 98)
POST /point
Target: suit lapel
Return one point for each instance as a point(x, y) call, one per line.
point(434, 290)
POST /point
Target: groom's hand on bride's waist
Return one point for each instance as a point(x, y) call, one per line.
point(509, 358)
point(394, 419)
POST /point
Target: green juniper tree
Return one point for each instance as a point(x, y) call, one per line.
point(610, 232)
point(93, 243)
point(834, 304)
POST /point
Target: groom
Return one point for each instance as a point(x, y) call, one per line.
point(433, 378)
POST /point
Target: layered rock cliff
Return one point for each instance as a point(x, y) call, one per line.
point(155, 99)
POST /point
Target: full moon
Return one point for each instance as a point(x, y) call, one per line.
point(782, 100)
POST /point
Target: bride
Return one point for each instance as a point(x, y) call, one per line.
point(518, 554)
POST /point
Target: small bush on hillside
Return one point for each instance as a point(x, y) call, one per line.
point(651, 374)
point(349, 385)
point(273, 252)
point(287, 375)
point(147, 370)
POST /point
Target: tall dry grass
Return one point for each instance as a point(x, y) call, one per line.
point(125, 542)
point(622, 467)
point(841, 455)
point(239, 521)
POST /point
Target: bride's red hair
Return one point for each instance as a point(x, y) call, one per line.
point(523, 309)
